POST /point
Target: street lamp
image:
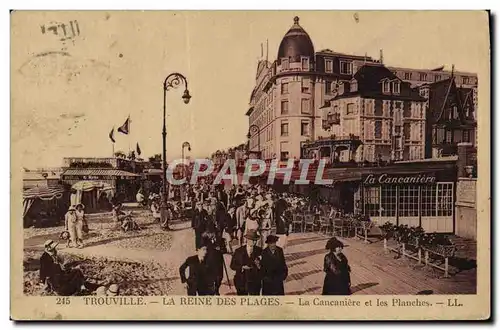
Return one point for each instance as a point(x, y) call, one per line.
point(251, 131)
point(173, 80)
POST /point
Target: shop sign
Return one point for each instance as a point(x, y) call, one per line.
point(385, 178)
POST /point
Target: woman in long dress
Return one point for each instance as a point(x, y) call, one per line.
point(337, 278)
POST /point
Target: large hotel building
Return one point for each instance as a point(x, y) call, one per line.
point(342, 108)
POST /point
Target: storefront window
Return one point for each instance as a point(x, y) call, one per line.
point(445, 199)
point(408, 201)
point(389, 201)
point(372, 201)
point(428, 201)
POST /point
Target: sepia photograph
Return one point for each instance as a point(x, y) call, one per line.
point(294, 160)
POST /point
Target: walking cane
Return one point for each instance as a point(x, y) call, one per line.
point(225, 270)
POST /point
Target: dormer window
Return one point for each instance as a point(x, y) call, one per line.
point(328, 66)
point(386, 87)
point(354, 86)
point(341, 88)
point(305, 63)
point(396, 87)
point(345, 67)
point(285, 63)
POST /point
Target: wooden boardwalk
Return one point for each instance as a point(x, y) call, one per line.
point(373, 271)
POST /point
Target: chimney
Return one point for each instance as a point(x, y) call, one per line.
point(381, 60)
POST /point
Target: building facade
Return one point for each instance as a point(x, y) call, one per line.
point(328, 105)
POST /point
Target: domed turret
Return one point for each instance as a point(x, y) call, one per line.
point(295, 43)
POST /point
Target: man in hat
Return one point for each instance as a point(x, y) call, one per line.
point(199, 223)
point(200, 281)
point(274, 268)
point(55, 276)
point(246, 263)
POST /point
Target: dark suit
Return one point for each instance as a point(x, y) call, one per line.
point(215, 259)
point(200, 280)
point(279, 211)
point(247, 282)
point(199, 224)
point(63, 282)
point(274, 272)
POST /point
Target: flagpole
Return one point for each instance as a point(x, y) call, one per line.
point(129, 132)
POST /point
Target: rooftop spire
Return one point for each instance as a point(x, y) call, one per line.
point(296, 20)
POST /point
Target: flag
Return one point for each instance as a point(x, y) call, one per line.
point(112, 135)
point(138, 149)
point(125, 127)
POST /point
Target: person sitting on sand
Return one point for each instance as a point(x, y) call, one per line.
point(56, 276)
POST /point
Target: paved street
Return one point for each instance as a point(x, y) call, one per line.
point(373, 270)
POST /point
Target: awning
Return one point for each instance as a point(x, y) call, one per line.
point(98, 172)
point(91, 185)
point(44, 193)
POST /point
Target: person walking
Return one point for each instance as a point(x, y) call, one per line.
point(274, 268)
point(282, 229)
point(81, 223)
point(337, 278)
point(70, 223)
point(199, 223)
point(199, 282)
point(241, 215)
point(246, 263)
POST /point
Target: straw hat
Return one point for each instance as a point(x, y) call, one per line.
point(113, 290)
point(77, 205)
point(50, 244)
point(72, 208)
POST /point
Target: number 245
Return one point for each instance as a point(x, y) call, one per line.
point(63, 301)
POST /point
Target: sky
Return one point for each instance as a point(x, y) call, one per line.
point(66, 96)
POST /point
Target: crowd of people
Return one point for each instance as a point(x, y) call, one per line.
point(251, 223)
point(258, 219)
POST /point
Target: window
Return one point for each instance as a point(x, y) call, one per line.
point(444, 199)
point(305, 106)
point(397, 129)
point(304, 128)
point(449, 136)
point(284, 88)
point(386, 86)
point(372, 201)
point(396, 87)
point(305, 85)
point(284, 107)
point(408, 201)
point(354, 86)
point(328, 87)
point(423, 76)
point(465, 136)
point(350, 108)
point(369, 131)
point(345, 67)
point(407, 75)
point(284, 129)
point(305, 63)
point(284, 155)
point(465, 80)
point(388, 201)
point(328, 66)
point(437, 77)
point(378, 129)
point(428, 195)
point(284, 63)
point(406, 131)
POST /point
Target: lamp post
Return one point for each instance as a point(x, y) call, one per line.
point(173, 80)
point(251, 131)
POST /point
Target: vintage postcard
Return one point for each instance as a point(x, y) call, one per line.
point(250, 165)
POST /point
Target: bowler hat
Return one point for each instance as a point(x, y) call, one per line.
point(252, 235)
point(333, 243)
point(272, 239)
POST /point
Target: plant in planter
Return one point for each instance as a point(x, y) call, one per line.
point(439, 244)
point(388, 230)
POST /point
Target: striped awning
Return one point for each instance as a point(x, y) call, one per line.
point(98, 172)
point(45, 193)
